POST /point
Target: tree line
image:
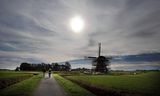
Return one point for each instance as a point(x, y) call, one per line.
point(39, 67)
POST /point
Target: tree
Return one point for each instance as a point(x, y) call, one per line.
point(55, 67)
point(67, 66)
point(25, 66)
point(17, 69)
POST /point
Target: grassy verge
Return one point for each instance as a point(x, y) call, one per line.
point(145, 84)
point(71, 88)
point(24, 88)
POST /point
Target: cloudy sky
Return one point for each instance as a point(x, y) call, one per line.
point(39, 30)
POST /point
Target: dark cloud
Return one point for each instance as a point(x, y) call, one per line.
point(148, 26)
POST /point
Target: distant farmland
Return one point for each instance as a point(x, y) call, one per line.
point(144, 84)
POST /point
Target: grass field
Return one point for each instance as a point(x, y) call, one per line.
point(8, 78)
point(71, 88)
point(23, 88)
point(6, 74)
point(144, 84)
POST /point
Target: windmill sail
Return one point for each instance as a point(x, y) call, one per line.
point(99, 51)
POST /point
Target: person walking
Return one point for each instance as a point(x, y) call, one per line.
point(49, 73)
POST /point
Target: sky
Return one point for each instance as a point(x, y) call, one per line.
point(39, 30)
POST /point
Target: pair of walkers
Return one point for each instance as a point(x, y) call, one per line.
point(49, 72)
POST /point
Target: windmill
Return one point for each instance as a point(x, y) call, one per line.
point(100, 63)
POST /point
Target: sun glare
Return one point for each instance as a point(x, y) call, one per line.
point(77, 24)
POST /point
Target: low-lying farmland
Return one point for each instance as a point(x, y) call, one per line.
point(8, 78)
point(144, 84)
point(23, 88)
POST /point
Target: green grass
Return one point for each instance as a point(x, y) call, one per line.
point(8, 78)
point(8, 74)
point(71, 88)
point(24, 88)
point(145, 83)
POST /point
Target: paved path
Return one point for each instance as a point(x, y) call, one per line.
point(49, 87)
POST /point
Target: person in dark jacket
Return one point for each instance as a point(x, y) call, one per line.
point(49, 73)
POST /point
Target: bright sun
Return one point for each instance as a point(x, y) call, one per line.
point(77, 24)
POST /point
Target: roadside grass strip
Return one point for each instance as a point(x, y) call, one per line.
point(23, 88)
point(71, 88)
